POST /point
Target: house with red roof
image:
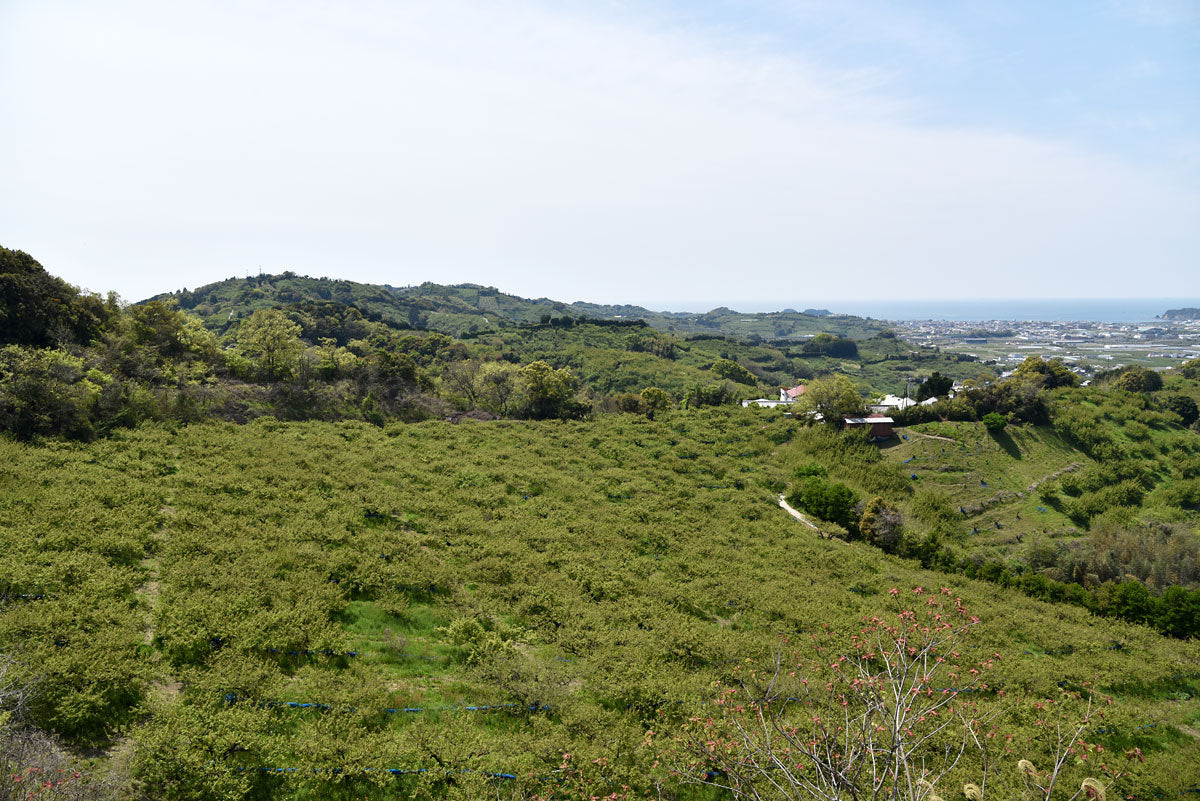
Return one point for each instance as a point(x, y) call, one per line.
point(792, 394)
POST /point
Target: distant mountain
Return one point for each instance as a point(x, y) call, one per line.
point(1181, 314)
point(470, 308)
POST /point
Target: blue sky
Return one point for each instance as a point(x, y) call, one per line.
point(1122, 77)
point(611, 150)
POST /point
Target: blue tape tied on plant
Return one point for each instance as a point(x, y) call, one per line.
point(231, 698)
point(311, 652)
point(398, 772)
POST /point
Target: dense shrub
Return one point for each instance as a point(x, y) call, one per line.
point(1077, 425)
point(1126, 493)
point(1181, 405)
point(995, 422)
point(830, 345)
point(1133, 379)
point(827, 500)
point(881, 524)
point(810, 469)
point(933, 508)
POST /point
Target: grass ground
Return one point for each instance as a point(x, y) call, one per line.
point(992, 480)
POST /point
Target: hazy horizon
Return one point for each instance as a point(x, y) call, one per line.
point(748, 305)
point(1112, 309)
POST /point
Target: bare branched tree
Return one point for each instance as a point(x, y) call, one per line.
point(882, 716)
point(32, 764)
point(1066, 732)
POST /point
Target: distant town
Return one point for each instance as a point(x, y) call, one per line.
point(1086, 346)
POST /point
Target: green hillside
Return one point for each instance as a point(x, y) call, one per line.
point(470, 308)
point(607, 359)
point(300, 545)
point(591, 580)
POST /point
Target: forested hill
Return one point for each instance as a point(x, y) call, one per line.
point(469, 308)
point(1187, 313)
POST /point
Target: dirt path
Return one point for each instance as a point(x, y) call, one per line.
point(165, 685)
point(149, 589)
point(1071, 468)
point(787, 508)
point(932, 436)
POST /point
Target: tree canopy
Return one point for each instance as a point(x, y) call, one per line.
point(936, 386)
point(731, 370)
point(834, 398)
point(271, 341)
point(38, 309)
point(1051, 374)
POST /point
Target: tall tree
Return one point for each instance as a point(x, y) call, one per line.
point(1052, 373)
point(833, 398)
point(731, 370)
point(936, 386)
point(547, 391)
point(271, 341)
point(496, 384)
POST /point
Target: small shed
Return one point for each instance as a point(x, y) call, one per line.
point(878, 427)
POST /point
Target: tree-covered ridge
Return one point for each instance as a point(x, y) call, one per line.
point(470, 308)
point(340, 599)
point(39, 309)
point(349, 354)
point(1186, 313)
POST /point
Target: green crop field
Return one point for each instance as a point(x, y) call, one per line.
point(289, 610)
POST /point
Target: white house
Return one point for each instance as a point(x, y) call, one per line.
point(791, 394)
point(787, 396)
point(890, 403)
point(766, 403)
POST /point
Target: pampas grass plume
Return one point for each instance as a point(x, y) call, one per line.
point(1095, 786)
point(932, 795)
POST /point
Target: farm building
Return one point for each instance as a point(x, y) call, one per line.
point(879, 427)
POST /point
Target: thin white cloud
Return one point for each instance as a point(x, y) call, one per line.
point(572, 155)
point(1166, 13)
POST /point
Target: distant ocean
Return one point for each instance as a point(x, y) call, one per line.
point(1107, 310)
